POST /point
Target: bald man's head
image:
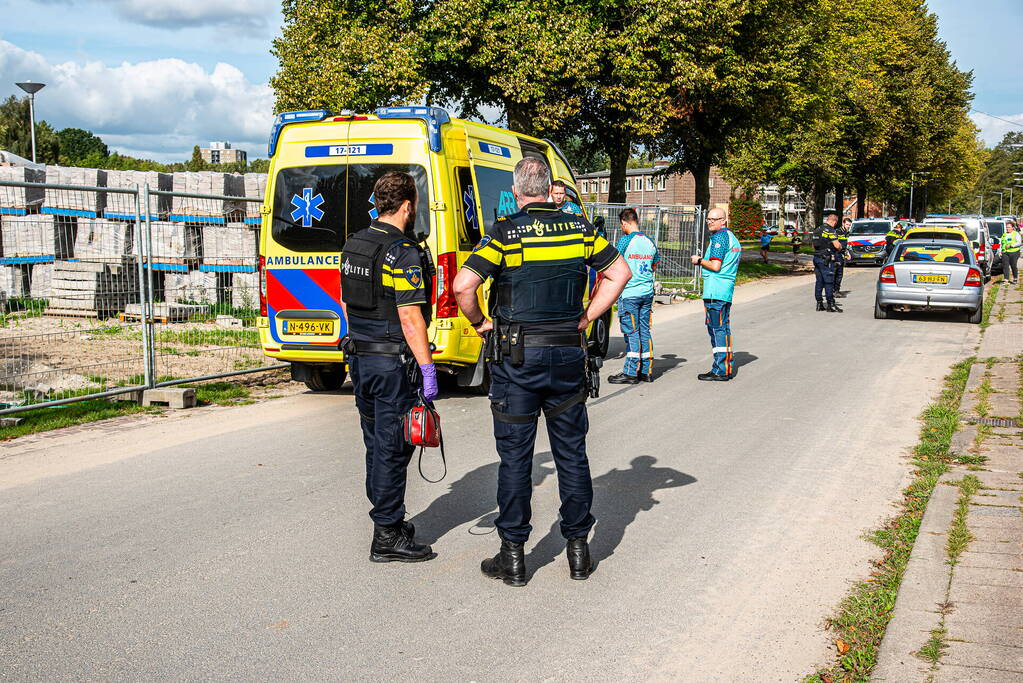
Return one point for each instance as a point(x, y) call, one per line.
point(716, 219)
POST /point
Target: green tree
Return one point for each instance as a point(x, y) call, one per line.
point(196, 163)
point(77, 144)
point(17, 137)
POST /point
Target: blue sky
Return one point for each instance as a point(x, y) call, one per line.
point(155, 77)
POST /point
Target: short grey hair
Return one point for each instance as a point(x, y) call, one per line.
point(532, 177)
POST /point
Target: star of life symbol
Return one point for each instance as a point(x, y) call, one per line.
point(373, 213)
point(307, 207)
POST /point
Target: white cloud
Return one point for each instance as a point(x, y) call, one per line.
point(174, 14)
point(992, 129)
point(161, 107)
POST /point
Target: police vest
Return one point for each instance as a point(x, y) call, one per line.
point(362, 268)
point(540, 291)
point(822, 238)
point(1010, 243)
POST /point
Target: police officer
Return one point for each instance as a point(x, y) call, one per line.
point(538, 258)
point(826, 250)
point(842, 231)
point(385, 279)
point(891, 237)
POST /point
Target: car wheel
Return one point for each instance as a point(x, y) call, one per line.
point(880, 312)
point(976, 316)
point(321, 379)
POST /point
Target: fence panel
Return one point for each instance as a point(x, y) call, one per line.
point(678, 232)
point(99, 296)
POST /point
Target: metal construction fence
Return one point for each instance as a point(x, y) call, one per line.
point(111, 287)
point(678, 231)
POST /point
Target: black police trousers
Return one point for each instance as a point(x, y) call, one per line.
point(839, 272)
point(383, 395)
point(548, 377)
point(824, 271)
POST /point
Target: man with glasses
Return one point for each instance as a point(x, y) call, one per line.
point(719, 270)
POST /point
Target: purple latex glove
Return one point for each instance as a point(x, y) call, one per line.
point(430, 390)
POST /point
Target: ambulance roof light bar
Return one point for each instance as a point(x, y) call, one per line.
point(434, 117)
point(288, 117)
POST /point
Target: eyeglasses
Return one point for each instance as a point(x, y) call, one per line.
point(715, 219)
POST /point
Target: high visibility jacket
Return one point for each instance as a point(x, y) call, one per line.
point(1011, 242)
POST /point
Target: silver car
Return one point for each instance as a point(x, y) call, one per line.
point(934, 275)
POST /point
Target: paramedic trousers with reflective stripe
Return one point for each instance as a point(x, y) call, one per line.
point(720, 335)
point(548, 377)
point(634, 316)
point(824, 270)
point(383, 395)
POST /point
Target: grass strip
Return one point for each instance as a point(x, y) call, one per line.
point(91, 410)
point(959, 535)
point(863, 615)
point(989, 302)
point(752, 270)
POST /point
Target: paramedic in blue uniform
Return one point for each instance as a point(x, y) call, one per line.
point(635, 306)
point(719, 267)
point(538, 258)
point(385, 280)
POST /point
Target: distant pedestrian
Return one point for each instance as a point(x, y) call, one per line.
point(1010, 244)
point(765, 241)
point(797, 243)
point(559, 195)
point(636, 303)
point(720, 267)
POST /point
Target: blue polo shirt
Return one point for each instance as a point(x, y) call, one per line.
point(641, 256)
point(723, 247)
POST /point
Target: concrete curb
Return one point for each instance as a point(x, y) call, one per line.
point(917, 612)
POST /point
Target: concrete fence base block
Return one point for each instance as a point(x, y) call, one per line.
point(9, 421)
point(664, 299)
point(173, 397)
point(131, 396)
point(229, 321)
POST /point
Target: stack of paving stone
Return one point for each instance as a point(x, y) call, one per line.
point(41, 280)
point(233, 244)
point(12, 282)
point(75, 202)
point(21, 199)
point(206, 182)
point(97, 289)
point(102, 239)
point(123, 205)
point(255, 187)
point(195, 286)
point(38, 235)
point(175, 242)
point(245, 290)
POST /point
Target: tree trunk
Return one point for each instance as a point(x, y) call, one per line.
point(840, 200)
point(618, 149)
point(782, 217)
point(921, 208)
point(701, 173)
point(519, 117)
point(861, 199)
point(817, 205)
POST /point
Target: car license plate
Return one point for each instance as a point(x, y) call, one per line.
point(930, 279)
point(314, 327)
point(865, 255)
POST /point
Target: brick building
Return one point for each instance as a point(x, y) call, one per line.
point(643, 187)
point(221, 153)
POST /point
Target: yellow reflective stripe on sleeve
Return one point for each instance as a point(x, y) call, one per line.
point(490, 254)
point(403, 285)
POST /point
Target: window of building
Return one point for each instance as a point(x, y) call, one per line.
point(215, 156)
point(650, 183)
point(604, 184)
point(710, 183)
point(662, 184)
point(628, 184)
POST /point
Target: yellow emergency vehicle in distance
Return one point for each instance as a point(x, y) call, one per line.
point(319, 191)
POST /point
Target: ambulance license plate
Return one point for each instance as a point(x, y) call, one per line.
point(930, 279)
point(313, 327)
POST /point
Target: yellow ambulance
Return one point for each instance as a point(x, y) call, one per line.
point(319, 191)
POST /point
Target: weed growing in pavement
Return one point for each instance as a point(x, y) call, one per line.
point(989, 301)
point(983, 392)
point(959, 535)
point(935, 646)
point(864, 613)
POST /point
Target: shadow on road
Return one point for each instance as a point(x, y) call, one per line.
point(662, 365)
point(741, 358)
point(471, 498)
point(618, 498)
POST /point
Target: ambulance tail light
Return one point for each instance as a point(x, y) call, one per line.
point(262, 286)
point(974, 279)
point(888, 275)
point(447, 266)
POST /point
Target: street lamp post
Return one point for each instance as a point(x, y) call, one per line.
point(32, 88)
point(981, 198)
point(912, 178)
point(1000, 195)
point(1010, 200)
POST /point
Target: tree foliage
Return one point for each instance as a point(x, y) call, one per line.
point(16, 134)
point(77, 144)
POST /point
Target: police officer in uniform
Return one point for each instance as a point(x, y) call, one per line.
point(842, 231)
point(891, 237)
point(538, 258)
point(386, 279)
point(826, 251)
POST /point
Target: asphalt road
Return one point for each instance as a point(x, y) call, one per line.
point(232, 543)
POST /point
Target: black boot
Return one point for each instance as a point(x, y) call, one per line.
point(396, 543)
point(622, 378)
point(579, 563)
point(820, 305)
point(509, 564)
point(833, 307)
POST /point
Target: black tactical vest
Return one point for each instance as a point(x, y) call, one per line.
point(543, 291)
point(362, 265)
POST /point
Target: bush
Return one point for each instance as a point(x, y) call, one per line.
point(745, 218)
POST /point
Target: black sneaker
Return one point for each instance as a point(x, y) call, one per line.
point(622, 378)
point(711, 377)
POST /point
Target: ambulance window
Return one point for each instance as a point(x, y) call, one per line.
point(469, 225)
point(495, 193)
point(317, 207)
